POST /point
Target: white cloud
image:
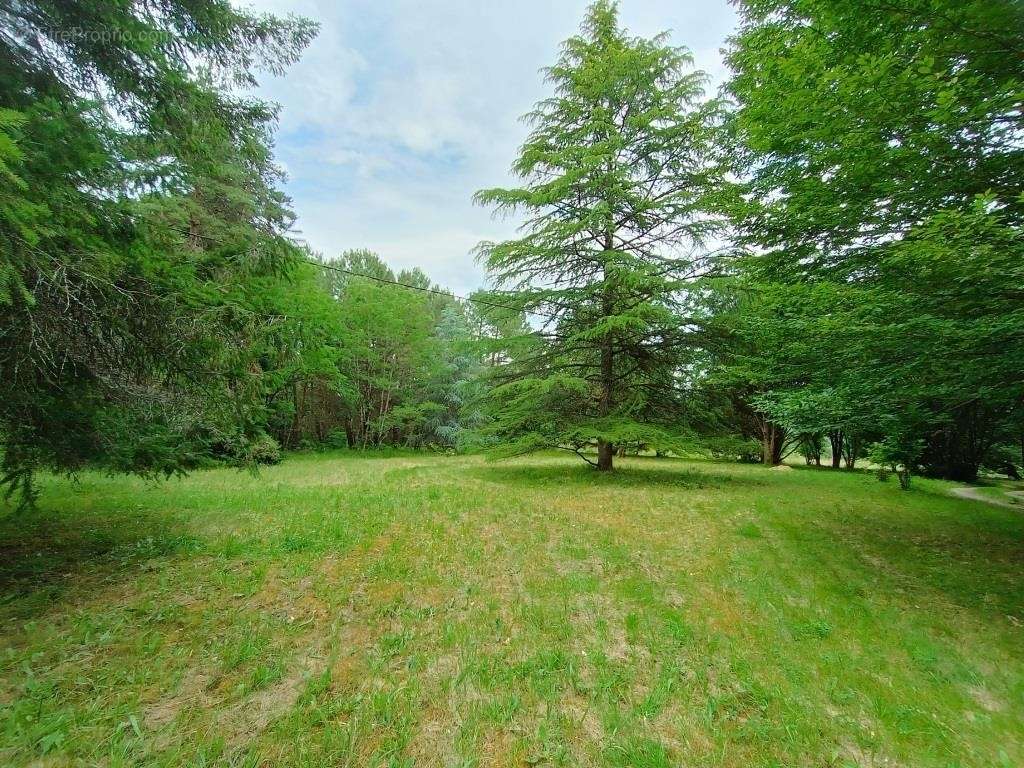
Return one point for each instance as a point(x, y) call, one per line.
point(318, 89)
point(400, 110)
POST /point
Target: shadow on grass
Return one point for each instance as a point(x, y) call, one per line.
point(637, 473)
point(974, 559)
point(46, 552)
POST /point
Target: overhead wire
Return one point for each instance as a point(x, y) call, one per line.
point(397, 283)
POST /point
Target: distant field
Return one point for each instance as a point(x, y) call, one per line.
point(341, 610)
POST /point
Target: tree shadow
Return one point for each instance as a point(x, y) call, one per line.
point(47, 552)
point(974, 559)
point(638, 472)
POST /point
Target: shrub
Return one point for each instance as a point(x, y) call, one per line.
point(264, 450)
point(900, 453)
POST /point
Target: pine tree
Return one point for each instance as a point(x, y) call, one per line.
point(621, 188)
point(141, 223)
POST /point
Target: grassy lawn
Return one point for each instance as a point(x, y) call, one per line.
point(435, 611)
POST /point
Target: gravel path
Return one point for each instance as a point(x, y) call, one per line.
point(975, 494)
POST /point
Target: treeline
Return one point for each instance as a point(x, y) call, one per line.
point(827, 257)
point(376, 358)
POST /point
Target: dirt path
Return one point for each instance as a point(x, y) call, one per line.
point(972, 492)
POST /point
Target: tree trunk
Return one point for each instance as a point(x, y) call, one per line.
point(835, 440)
point(605, 449)
point(293, 430)
point(851, 451)
point(904, 477)
point(773, 439)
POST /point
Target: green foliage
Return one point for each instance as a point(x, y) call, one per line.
point(265, 450)
point(406, 352)
point(898, 452)
point(620, 183)
point(883, 219)
point(139, 221)
point(362, 357)
point(733, 448)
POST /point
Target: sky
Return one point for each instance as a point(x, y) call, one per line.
point(401, 109)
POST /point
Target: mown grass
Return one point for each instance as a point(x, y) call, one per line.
point(341, 610)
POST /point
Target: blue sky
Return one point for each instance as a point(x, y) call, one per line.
point(400, 110)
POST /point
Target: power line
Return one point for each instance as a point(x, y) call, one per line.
point(397, 283)
point(353, 273)
point(448, 294)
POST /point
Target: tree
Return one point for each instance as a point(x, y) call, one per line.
point(880, 143)
point(137, 209)
point(621, 186)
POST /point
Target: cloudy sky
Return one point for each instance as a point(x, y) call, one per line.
point(401, 109)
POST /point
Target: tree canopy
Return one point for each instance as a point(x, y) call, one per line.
point(881, 148)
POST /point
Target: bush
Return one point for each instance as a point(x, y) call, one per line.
point(733, 448)
point(264, 450)
point(899, 453)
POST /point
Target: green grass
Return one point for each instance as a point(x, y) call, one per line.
point(341, 610)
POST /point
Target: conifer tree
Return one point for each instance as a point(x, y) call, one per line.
point(141, 224)
point(620, 190)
